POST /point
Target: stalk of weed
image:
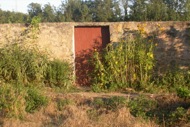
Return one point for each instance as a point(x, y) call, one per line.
point(21, 65)
point(125, 64)
point(59, 73)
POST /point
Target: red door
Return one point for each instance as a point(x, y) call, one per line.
point(87, 39)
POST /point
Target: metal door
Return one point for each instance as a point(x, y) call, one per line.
point(88, 39)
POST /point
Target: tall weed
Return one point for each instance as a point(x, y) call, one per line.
point(59, 73)
point(21, 65)
point(128, 63)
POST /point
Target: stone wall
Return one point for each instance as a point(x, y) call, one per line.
point(58, 38)
point(172, 38)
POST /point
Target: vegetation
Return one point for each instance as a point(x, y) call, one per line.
point(131, 64)
point(103, 11)
point(62, 103)
point(126, 64)
point(12, 102)
point(35, 100)
point(25, 72)
point(113, 103)
point(58, 73)
point(157, 110)
point(21, 65)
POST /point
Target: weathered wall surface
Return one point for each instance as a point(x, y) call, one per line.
point(172, 38)
point(58, 38)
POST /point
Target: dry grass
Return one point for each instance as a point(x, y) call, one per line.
point(76, 115)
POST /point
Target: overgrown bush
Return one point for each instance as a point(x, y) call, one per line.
point(183, 92)
point(21, 65)
point(35, 100)
point(173, 78)
point(59, 73)
point(28, 66)
point(128, 63)
point(142, 107)
point(179, 116)
point(22, 62)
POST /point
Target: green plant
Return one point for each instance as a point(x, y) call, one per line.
point(21, 65)
point(35, 100)
point(12, 102)
point(59, 73)
point(112, 103)
point(183, 92)
point(61, 103)
point(115, 102)
point(175, 77)
point(98, 103)
point(142, 107)
point(178, 116)
point(125, 64)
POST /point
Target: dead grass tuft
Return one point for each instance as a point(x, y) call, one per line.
point(77, 115)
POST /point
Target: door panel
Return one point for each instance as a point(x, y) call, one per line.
point(87, 39)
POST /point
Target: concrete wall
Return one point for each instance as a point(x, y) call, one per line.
point(58, 38)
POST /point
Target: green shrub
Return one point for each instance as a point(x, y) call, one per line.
point(112, 103)
point(27, 66)
point(174, 78)
point(59, 73)
point(98, 103)
point(178, 116)
point(35, 100)
point(142, 107)
point(12, 102)
point(183, 92)
point(21, 65)
point(125, 64)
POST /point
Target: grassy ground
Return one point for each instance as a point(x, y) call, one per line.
point(88, 109)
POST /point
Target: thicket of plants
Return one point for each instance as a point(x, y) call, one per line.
point(131, 63)
point(124, 64)
point(25, 72)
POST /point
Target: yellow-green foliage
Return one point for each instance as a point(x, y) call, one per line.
point(128, 63)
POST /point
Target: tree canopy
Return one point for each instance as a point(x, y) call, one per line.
point(103, 11)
